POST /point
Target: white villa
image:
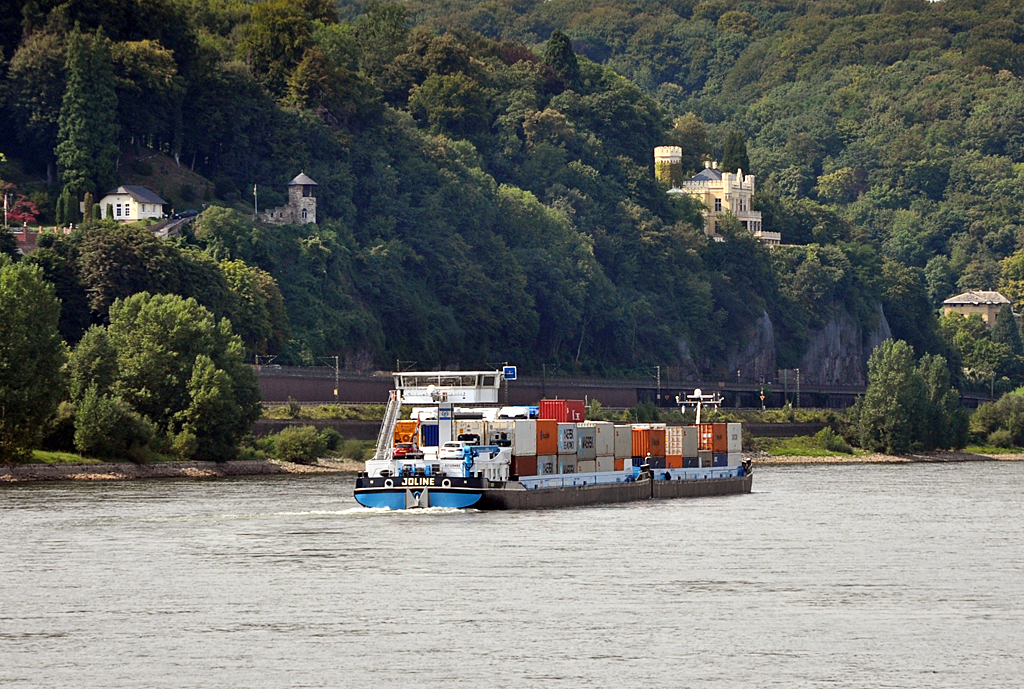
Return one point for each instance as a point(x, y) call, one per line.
point(132, 203)
point(721, 193)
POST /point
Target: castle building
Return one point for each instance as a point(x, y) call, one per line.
point(982, 303)
point(721, 193)
point(301, 206)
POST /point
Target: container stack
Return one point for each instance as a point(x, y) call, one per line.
point(649, 439)
point(563, 411)
point(547, 446)
point(604, 444)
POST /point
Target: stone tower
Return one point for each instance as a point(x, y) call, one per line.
point(668, 165)
point(301, 208)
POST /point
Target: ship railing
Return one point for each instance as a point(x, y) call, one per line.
point(606, 477)
point(387, 428)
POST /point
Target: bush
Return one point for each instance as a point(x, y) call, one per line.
point(832, 441)
point(331, 439)
point(59, 430)
point(106, 426)
point(1000, 438)
point(357, 450)
point(299, 444)
point(142, 167)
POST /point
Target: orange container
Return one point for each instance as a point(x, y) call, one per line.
point(547, 437)
point(619, 464)
point(657, 442)
point(648, 440)
point(674, 462)
point(705, 436)
point(405, 431)
point(720, 438)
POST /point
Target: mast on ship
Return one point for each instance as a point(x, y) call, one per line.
point(698, 400)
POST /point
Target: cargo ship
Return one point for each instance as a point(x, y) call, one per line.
point(459, 449)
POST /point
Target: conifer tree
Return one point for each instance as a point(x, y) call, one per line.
point(87, 135)
point(87, 206)
point(560, 56)
point(735, 157)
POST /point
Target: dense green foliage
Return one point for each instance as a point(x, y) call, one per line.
point(908, 405)
point(163, 366)
point(485, 179)
point(31, 356)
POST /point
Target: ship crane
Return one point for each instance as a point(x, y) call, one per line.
point(698, 400)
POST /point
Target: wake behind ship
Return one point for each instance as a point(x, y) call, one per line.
point(459, 449)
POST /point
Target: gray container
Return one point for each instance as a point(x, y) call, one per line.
point(586, 442)
point(567, 437)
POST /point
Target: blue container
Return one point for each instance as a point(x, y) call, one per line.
point(658, 463)
point(429, 435)
point(721, 460)
point(690, 462)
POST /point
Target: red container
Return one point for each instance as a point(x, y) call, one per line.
point(563, 411)
point(620, 463)
point(525, 465)
point(705, 436)
point(674, 461)
point(547, 437)
point(720, 439)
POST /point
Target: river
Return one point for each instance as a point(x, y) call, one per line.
point(825, 576)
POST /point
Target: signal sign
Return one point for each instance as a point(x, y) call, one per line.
point(508, 372)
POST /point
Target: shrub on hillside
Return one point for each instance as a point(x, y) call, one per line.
point(107, 426)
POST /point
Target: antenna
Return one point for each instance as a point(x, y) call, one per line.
point(698, 399)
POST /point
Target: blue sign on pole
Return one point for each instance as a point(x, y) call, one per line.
point(509, 372)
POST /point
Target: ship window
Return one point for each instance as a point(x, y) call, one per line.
point(488, 381)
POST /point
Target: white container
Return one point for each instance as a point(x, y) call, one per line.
point(547, 464)
point(690, 435)
point(476, 427)
point(604, 437)
point(588, 465)
point(567, 437)
point(674, 440)
point(735, 459)
point(706, 459)
point(734, 433)
point(623, 447)
point(521, 432)
point(586, 442)
point(567, 464)
point(605, 463)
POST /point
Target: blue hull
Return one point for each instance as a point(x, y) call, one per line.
point(396, 499)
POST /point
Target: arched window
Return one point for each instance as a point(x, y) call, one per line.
point(303, 213)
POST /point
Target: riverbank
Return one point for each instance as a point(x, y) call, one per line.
point(931, 457)
point(121, 471)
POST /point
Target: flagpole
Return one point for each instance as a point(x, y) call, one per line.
point(255, 203)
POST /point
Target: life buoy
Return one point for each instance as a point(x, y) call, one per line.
point(446, 483)
point(388, 483)
point(406, 438)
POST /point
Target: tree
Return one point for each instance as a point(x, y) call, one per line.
point(87, 137)
point(735, 156)
point(560, 56)
point(31, 356)
point(893, 408)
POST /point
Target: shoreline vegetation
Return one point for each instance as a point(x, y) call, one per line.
point(119, 471)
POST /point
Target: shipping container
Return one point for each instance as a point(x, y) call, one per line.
point(547, 464)
point(467, 429)
point(519, 434)
point(523, 465)
point(648, 440)
point(735, 437)
point(705, 437)
point(721, 459)
point(567, 437)
point(405, 431)
point(563, 411)
point(586, 442)
point(567, 464)
point(620, 464)
point(547, 437)
point(705, 458)
point(428, 435)
point(690, 462)
point(735, 459)
point(721, 437)
point(674, 461)
point(658, 463)
point(605, 463)
point(586, 465)
point(690, 442)
point(604, 437)
point(674, 441)
point(623, 444)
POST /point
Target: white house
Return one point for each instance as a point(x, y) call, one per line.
point(131, 203)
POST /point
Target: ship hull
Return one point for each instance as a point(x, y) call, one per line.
point(461, 493)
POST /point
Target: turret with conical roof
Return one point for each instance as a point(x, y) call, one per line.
point(301, 208)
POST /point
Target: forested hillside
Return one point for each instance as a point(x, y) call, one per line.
point(484, 169)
